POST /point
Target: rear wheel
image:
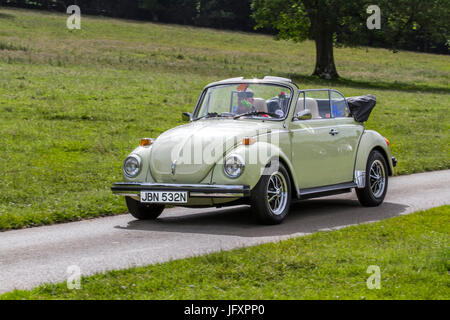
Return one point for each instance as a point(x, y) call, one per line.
point(271, 198)
point(144, 211)
point(373, 194)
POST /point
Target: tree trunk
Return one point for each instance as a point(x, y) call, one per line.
point(325, 66)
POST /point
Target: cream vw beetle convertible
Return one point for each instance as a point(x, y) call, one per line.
point(264, 143)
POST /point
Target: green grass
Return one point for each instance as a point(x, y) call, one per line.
point(413, 253)
point(73, 104)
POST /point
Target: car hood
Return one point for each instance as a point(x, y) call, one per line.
point(187, 154)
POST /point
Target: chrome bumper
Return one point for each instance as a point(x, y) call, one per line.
point(133, 189)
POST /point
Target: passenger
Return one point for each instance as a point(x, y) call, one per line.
point(245, 101)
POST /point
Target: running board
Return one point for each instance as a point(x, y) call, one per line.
point(326, 191)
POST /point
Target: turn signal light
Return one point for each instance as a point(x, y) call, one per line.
point(387, 142)
point(146, 142)
point(248, 141)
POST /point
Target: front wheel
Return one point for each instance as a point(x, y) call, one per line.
point(144, 211)
point(271, 198)
point(373, 194)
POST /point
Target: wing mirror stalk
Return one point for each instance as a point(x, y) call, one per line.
point(304, 115)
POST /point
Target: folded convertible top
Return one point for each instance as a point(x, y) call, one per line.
point(361, 107)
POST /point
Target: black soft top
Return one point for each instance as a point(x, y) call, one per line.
point(361, 107)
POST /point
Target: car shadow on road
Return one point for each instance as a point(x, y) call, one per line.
point(305, 217)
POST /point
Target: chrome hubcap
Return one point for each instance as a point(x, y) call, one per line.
point(377, 178)
point(277, 193)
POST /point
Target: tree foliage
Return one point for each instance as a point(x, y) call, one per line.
point(225, 14)
point(421, 25)
point(408, 24)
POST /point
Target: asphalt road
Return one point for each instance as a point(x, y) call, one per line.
point(41, 255)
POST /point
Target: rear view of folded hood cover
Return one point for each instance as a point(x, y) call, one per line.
point(361, 107)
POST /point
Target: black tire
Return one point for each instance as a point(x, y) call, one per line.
point(367, 196)
point(259, 200)
point(144, 211)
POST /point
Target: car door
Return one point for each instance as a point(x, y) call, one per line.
point(347, 136)
point(313, 144)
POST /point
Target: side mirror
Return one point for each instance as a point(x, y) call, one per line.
point(187, 116)
point(303, 115)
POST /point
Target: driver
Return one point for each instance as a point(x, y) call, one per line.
point(245, 101)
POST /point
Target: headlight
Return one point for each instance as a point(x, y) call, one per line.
point(132, 166)
point(234, 166)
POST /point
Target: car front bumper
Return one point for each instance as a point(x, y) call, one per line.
point(133, 189)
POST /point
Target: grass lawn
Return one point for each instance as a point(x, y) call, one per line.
point(412, 252)
point(73, 104)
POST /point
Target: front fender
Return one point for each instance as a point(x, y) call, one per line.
point(256, 156)
point(369, 141)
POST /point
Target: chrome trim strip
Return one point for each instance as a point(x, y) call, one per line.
point(272, 78)
point(298, 122)
point(336, 187)
point(129, 194)
point(216, 195)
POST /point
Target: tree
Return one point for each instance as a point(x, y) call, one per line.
point(301, 20)
point(416, 25)
point(328, 22)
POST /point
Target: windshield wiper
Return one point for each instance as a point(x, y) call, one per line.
point(256, 113)
point(215, 115)
point(209, 115)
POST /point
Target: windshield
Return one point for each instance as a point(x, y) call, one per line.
point(245, 100)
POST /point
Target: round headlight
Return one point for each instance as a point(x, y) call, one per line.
point(234, 166)
point(132, 166)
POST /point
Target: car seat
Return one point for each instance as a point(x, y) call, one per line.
point(311, 104)
point(260, 104)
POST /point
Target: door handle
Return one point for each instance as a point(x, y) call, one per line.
point(334, 132)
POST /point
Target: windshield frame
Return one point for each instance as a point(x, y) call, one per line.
point(270, 83)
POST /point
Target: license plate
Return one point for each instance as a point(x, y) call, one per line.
point(164, 197)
